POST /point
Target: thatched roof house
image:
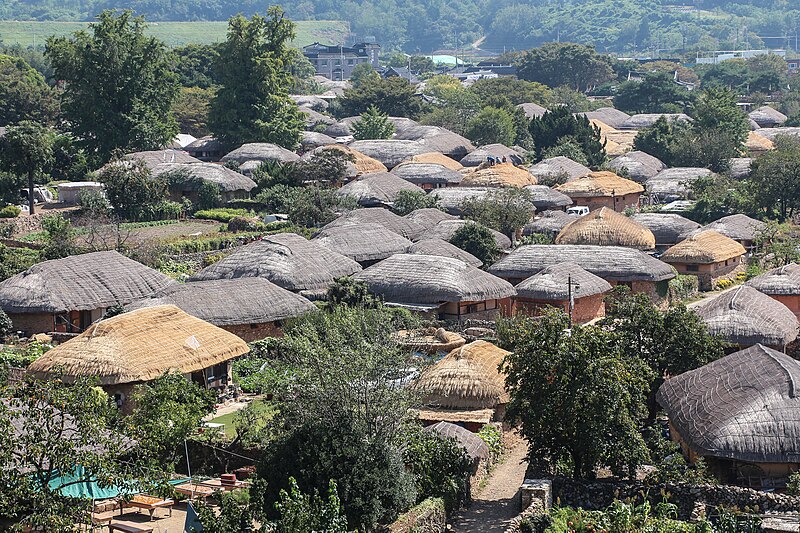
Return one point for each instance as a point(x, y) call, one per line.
point(756, 144)
point(428, 175)
point(231, 184)
point(436, 158)
point(773, 133)
point(390, 152)
point(480, 154)
point(740, 228)
point(448, 286)
point(287, 260)
point(315, 118)
point(745, 317)
point(361, 164)
point(606, 227)
point(310, 140)
point(446, 229)
point(152, 158)
point(499, 175)
point(428, 217)
point(555, 167)
point(608, 115)
point(544, 198)
point(782, 284)
point(376, 189)
point(251, 307)
point(640, 166)
point(742, 408)
point(645, 120)
point(444, 249)
point(69, 294)
point(668, 228)
point(395, 223)
point(205, 148)
point(708, 255)
point(477, 450)
point(603, 189)
point(532, 110)
point(465, 387)
point(768, 117)
point(452, 199)
point(366, 243)
point(740, 167)
point(548, 223)
point(436, 139)
point(673, 183)
point(261, 152)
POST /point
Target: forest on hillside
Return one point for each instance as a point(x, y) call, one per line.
point(653, 27)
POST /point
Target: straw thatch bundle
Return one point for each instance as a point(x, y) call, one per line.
point(738, 227)
point(598, 184)
point(499, 175)
point(773, 133)
point(645, 120)
point(466, 378)
point(618, 142)
point(480, 154)
point(390, 152)
point(558, 166)
point(552, 284)
point(310, 140)
point(376, 189)
point(673, 183)
point(606, 227)
point(153, 158)
point(140, 346)
point(608, 115)
point(767, 117)
point(549, 223)
point(437, 139)
point(475, 447)
point(428, 217)
point(532, 110)
point(383, 217)
point(261, 152)
point(640, 166)
point(704, 248)
point(431, 279)
point(740, 167)
point(452, 199)
point(781, 281)
point(446, 229)
point(429, 340)
point(427, 173)
point(743, 406)
point(544, 198)
point(444, 249)
point(226, 179)
point(668, 228)
point(231, 302)
point(361, 164)
point(757, 144)
point(287, 260)
point(364, 242)
point(80, 283)
point(436, 158)
point(612, 263)
point(746, 317)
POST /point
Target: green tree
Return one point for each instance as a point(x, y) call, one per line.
point(6, 326)
point(303, 513)
point(657, 92)
point(252, 102)
point(775, 180)
point(407, 201)
point(567, 148)
point(131, 188)
point(195, 65)
point(394, 96)
point(59, 237)
point(27, 149)
point(190, 109)
point(767, 73)
point(316, 206)
point(457, 106)
point(574, 65)
point(477, 240)
point(659, 139)
point(363, 73)
point(24, 93)
point(556, 127)
point(69, 160)
point(505, 210)
point(517, 91)
point(372, 125)
point(347, 291)
point(492, 126)
point(119, 85)
point(717, 196)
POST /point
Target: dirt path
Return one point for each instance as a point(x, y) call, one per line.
point(498, 501)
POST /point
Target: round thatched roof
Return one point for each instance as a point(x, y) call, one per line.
point(451, 199)
point(364, 242)
point(140, 346)
point(673, 183)
point(768, 117)
point(645, 120)
point(756, 143)
point(548, 223)
point(738, 227)
point(781, 281)
point(557, 166)
point(612, 263)
point(704, 248)
point(80, 283)
point(668, 228)
point(599, 184)
point(390, 152)
point(314, 118)
point(204, 144)
point(552, 284)
point(153, 158)
point(428, 217)
point(466, 378)
point(427, 173)
point(361, 164)
point(480, 154)
point(261, 152)
point(376, 189)
point(228, 180)
point(309, 100)
point(608, 115)
point(740, 167)
point(444, 249)
point(436, 158)
point(475, 447)
point(773, 133)
point(743, 406)
point(375, 215)
point(499, 175)
point(746, 317)
point(544, 198)
point(640, 166)
point(310, 140)
point(287, 260)
point(532, 110)
point(606, 227)
point(436, 139)
point(446, 229)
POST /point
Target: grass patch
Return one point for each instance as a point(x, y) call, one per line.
point(264, 408)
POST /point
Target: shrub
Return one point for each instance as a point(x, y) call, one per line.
point(93, 203)
point(239, 223)
point(6, 326)
point(682, 287)
point(221, 214)
point(10, 211)
point(493, 438)
point(477, 240)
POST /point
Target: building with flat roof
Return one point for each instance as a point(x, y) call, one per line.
point(337, 62)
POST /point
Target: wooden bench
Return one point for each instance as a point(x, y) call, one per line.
point(147, 503)
point(101, 520)
point(130, 527)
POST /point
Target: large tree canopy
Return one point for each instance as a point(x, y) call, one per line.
point(574, 65)
point(24, 94)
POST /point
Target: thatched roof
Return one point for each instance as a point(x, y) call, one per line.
point(365, 242)
point(226, 179)
point(612, 263)
point(428, 217)
point(704, 248)
point(287, 260)
point(424, 173)
point(445, 249)
point(436, 139)
point(737, 227)
point(773, 133)
point(230, 302)
point(153, 158)
point(640, 166)
point(80, 283)
point(436, 158)
point(261, 152)
point(376, 188)
point(559, 165)
point(429, 340)
point(499, 175)
point(361, 163)
point(204, 144)
point(644, 120)
point(480, 154)
point(743, 406)
point(552, 284)
point(545, 198)
point(313, 118)
point(532, 110)
point(740, 167)
point(756, 143)
point(309, 100)
point(141, 346)
point(598, 184)
point(668, 228)
point(673, 183)
point(446, 229)
point(390, 152)
point(451, 199)
point(606, 227)
point(767, 117)
point(548, 223)
point(781, 281)
point(475, 447)
point(608, 115)
point(746, 317)
point(431, 279)
point(375, 215)
point(466, 378)
point(310, 140)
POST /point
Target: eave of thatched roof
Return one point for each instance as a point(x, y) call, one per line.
point(226, 179)
point(548, 223)
point(612, 263)
point(437, 139)
point(456, 416)
point(474, 446)
point(480, 154)
point(311, 140)
point(559, 165)
point(230, 302)
point(544, 198)
point(446, 229)
point(738, 227)
point(673, 183)
point(444, 249)
point(451, 199)
point(599, 184)
point(767, 117)
point(552, 283)
point(606, 227)
point(80, 283)
point(365, 242)
point(639, 166)
point(428, 217)
point(140, 346)
point(390, 152)
point(261, 152)
point(704, 248)
point(287, 260)
point(499, 175)
point(314, 118)
point(773, 133)
point(424, 173)
point(204, 144)
point(645, 120)
point(152, 158)
point(668, 228)
point(383, 217)
point(608, 115)
point(436, 158)
point(781, 281)
point(432, 279)
point(376, 188)
point(746, 317)
point(743, 406)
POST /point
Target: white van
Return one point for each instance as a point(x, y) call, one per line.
point(579, 210)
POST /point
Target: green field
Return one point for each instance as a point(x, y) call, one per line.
point(173, 33)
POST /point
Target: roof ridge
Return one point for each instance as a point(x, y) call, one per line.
point(792, 383)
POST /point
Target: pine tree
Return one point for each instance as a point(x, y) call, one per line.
point(372, 125)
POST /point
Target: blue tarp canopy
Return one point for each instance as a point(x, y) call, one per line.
point(80, 484)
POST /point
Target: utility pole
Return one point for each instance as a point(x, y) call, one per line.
point(571, 300)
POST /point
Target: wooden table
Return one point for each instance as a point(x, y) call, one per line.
point(194, 490)
point(130, 527)
point(216, 484)
point(147, 503)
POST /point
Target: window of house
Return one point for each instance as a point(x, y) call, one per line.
point(338, 62)
point(324, 62)
point(350, 61)
point(692, 268)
